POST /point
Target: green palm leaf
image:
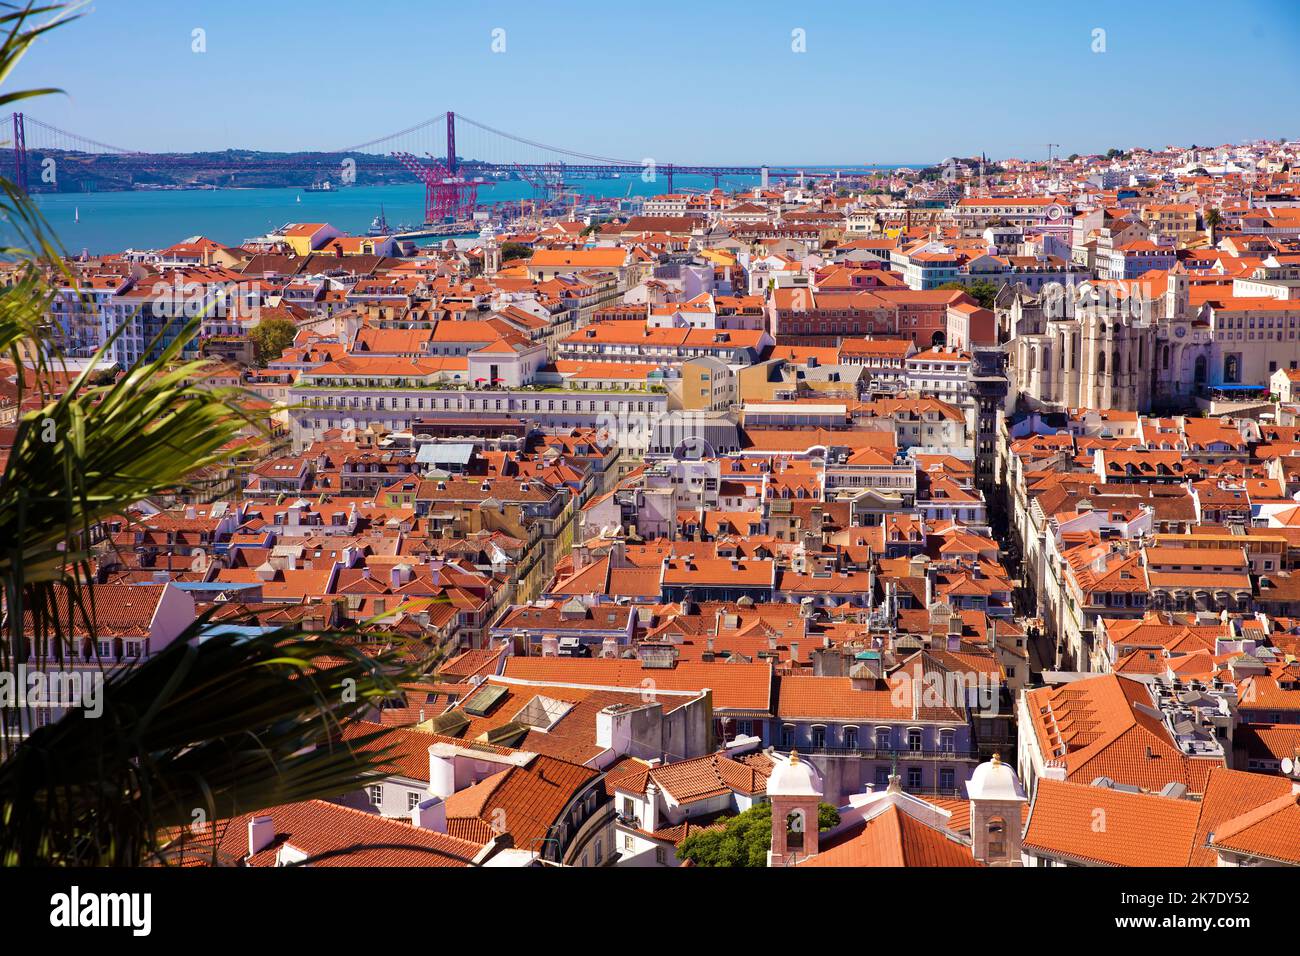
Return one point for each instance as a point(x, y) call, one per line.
point(214, 725)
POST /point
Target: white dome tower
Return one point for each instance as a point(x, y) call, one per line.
point(996, 797)
point(795, 791)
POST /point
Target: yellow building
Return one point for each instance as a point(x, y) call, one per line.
point(1171, 219)
point(304, 238)
point(707, 384)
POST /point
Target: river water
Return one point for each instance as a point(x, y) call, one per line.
point(153, 219)
point(149, 219)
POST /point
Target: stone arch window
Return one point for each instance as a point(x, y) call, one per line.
point(796, 825)
point(1116, 363)
point(1101, 362)
point(1198, 374)
point(996, 830)
point(1164, 361)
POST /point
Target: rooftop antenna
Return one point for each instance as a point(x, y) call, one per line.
point(1050, 168)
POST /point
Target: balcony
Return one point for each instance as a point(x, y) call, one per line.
point(875, 753)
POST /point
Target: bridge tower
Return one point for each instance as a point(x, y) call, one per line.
point(20, 152)
point(451, 142)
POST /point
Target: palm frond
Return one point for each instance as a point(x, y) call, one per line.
point(215, 724)
point(212, 726)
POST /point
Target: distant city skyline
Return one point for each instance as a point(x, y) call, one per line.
point(691, 83)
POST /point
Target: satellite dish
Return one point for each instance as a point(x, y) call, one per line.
point(1288, 766)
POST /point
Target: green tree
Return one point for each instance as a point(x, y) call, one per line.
point(1213, 218)
point(515, 250)
point(216, 723)
point(745, 839)
point(985, 293)
point(271, 338)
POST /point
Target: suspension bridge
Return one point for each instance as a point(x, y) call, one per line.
point(452, 155)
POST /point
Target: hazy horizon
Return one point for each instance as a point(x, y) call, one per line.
point(825, 87)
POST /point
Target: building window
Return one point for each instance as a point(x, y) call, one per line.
point(376, 794)
point(794, 830)
point(913, 778)
point(947, 779)
point(851, 737)
point(819, 736)
point(412, 801)
point(914, 739)
point(997, 838)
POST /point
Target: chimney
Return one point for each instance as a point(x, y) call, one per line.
point(430, 814)
point(442, 774)
point(651, 806)
point(261, 831)
point(794, 652)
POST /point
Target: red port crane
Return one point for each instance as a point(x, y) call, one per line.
point(447, 197)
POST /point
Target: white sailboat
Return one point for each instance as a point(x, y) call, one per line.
point(76, 214)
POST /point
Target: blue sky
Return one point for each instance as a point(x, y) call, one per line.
point(701, 82)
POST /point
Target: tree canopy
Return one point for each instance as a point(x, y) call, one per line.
point(982, 292)
point(271, 338)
